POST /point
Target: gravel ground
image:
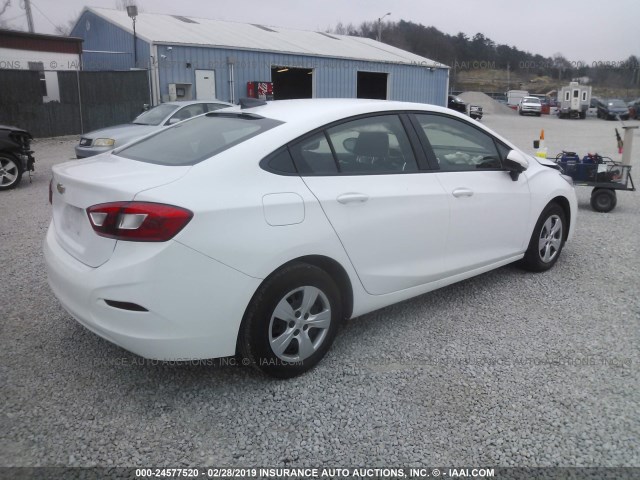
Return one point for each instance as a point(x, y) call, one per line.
point(506, 369)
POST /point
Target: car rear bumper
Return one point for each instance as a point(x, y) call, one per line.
point(194, 303)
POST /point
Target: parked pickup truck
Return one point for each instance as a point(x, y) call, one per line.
point(475, 112)
point(456, 103)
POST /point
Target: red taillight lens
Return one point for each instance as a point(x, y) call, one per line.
point(138, 221)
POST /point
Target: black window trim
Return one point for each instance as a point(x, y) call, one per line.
point(264, 163)
point(324, 129)
point(422, 150)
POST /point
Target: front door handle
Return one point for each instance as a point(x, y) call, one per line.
point(352, 198)
point(462, 192)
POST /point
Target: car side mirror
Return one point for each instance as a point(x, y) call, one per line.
point(173, 121)
point(515, 163)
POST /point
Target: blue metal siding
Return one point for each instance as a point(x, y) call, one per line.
point(335, 78)
point(106, 37)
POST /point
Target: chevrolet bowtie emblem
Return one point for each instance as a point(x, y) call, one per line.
point(60, 188)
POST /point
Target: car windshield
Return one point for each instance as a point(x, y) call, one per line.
point(156, 115)
point(532, 100)
point(616, 103)
point(195, 140)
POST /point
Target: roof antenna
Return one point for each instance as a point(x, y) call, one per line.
point(251, 102)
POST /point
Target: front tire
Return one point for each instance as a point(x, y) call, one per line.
point(291, 321)
point(10, 171)
point(546, 241)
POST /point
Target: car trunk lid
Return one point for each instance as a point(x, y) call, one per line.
point(106, 178)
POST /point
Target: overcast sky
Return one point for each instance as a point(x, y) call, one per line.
point(587, 30)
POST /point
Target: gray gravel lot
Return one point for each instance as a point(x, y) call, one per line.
point(506, 369)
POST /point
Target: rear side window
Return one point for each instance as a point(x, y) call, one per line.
point(373, 145)
point(195, 140)
point(314, 157)
point(365, 146)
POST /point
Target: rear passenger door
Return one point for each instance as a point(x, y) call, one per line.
point(389, 212)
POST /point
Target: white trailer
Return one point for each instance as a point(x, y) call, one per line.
point(574, 100)
point(514, 97)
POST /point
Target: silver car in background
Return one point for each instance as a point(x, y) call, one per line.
point(163, 115)
point(530, 105)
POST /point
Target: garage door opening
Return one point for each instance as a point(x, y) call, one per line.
point(289, 83)
point(372, 85)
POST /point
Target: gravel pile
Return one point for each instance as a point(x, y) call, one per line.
point(506, 369)
point(488, 104)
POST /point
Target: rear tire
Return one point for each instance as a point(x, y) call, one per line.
point(603, 199)
point(291, 321)
point(546, 241)
point(10, 171)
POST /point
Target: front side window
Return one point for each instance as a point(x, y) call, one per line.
point(459, 146)
point(155, 115)
point(188, 112)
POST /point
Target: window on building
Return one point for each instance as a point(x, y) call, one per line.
point(39, 66)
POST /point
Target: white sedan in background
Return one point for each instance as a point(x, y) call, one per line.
point(257, 230)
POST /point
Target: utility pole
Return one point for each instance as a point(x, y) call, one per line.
point(380, 26)
point(27, 9)
point(132, 11)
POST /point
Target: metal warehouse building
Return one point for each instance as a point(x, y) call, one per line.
point(195, 58)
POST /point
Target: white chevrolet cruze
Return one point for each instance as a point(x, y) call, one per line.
point(256, 230)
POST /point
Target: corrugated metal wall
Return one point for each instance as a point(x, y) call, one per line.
point(332, 77)
point(115, 44)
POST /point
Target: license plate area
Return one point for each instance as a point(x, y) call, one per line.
point(72, 220)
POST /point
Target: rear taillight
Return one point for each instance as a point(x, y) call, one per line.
point(138, 221)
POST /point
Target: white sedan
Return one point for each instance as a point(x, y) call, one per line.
point(256, 230)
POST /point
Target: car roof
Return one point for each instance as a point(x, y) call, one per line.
point(326, 110)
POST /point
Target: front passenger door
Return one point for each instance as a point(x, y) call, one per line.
point(489, 211)
point(390, 215)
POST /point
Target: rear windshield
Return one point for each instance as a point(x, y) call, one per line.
point(195, 140)
point(532, 100)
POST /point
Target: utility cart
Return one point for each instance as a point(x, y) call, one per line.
point(602, 173)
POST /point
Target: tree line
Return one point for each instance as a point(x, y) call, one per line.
point(462, 52)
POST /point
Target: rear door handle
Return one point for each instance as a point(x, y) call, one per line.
point(462, 192)
point(352, 198)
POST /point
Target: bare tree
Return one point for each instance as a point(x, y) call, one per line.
point(65, 28)
point(5, 4)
